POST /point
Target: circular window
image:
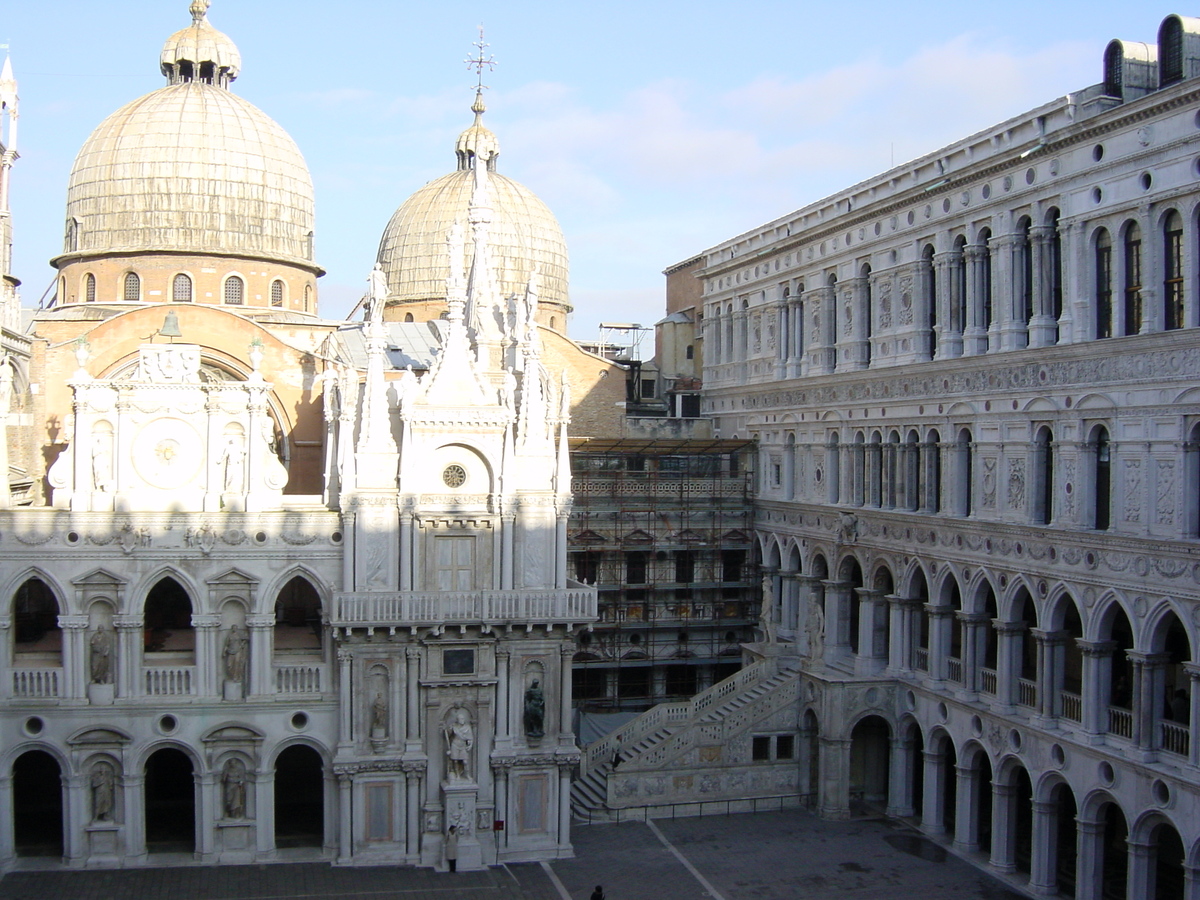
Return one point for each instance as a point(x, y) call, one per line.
point(1098, 152)
point(910, 218)
point(168, 724)
point(1097, 195)
point(260, 537)
point(1162, 793)
point(300, 721)
point(72, 537)
point(454, 475)
point(943, 712)
point(1014, 739)
point(910, 700)
point(1106, 773)
point(976, 726)
point(1030, 176)
point(1147, 180)
point(1057, 755)
point(986, 190)
point(336, 537)
point(34, 725)
point(946, 205)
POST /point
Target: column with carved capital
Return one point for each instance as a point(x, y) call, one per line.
point(264, 810)
point(1097, 681)
point(74, 656)
point(1193, 673)
point(129, 660)
point(412, 696)
point(1042, 325)
point(412, 809)
point(566, 736)
point(976, 259)
point(345, 698)
point(75, 813)
point(974, 629)
point(1149, 691)
point(209, 803)
point(1004, 798)
point(564, 806)
point(1140, 880)
point(134, 793)
point(345, 825)
point(934, 786)
point(1009, 636)
point(966, 809)
point(261, 628)
point(210, 668)
point(1089, 859)
point(1043, 867)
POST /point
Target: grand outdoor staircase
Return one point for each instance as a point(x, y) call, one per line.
point(651, 737)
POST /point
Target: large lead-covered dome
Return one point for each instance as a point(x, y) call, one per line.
point(523, 234)
point(191, 167)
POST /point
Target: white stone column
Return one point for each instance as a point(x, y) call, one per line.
point(264, 812)
point(566, 736)
point(261, 628)
point(966, 807)
point(900, 798)
point(412, 695)
point(74, 657)
point(1043, 323)
point(134, 791)
point(345, 829)
point(1140, 882)
point(934, 787)
point(208, 785)
point(8, 850)
point(75, 814)
point(898, 633)
point(129, 663)
point(1097, 663)
point(210, 668)
point(1089, 860)
point(1008, 665)
point(1043, 875)
point(564, 807)
point(412, 812)
point(835, 778)
point(1003, 820)
point(406, 555)
point(1193, 673)
point(345, 698)
point(508, 525)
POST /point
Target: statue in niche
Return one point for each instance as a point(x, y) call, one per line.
point(815, 631)
point(103, 792)
point(101, 646)
point(237, 649)
point(460, 738)
point(233, 465)
point(102, 462)
point(379, 716)
point(767, 610)
point(233, 789)
point(535, 710)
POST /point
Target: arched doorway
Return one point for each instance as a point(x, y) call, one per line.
point(170, 802)
point(1022, 819)
point(1168, 863)
point(1115, 851)
point(37, 805)
point(870, 763)
point(168, 635)
point(37, 640)
point(810, 741)
point(1065, 843)
point(299, 798)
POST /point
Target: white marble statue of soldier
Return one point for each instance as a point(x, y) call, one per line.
point(460, 738)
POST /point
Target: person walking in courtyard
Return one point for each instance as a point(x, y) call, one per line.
point(598, 893)
point(452, 848)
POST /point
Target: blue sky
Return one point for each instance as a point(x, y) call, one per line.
point(652, 129)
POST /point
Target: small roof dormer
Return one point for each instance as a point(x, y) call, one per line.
point(1178, 49)
point(1130, 69)
point(200, 53)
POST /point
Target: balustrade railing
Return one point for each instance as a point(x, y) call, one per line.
point(169, 681)
point(921, 658)
point(1175, 737)
point(599, 752)
point(1027, 692)
point(1120, 722)
point(298, 679)
point(987, 681)
point(405, 608)
point(954, 669)
point(1072, 706)
point(36, 683)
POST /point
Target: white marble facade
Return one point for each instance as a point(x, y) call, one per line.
point(195, 663)
point(975, 385)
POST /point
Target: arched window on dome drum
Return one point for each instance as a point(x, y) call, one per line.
point(308, 298)
point(408, 317)
point(277, 293)
point(181, 289)
point(133, 287)
point(89, 288)
point(235, 290)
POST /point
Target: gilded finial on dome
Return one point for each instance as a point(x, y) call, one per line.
point(477, 142)
point(477, 63)
point(199, 9)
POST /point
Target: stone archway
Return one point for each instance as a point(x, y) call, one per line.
point(170, 802)
point(299, 798)
point(870, 765)
point(37, 805)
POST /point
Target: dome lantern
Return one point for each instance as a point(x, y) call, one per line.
point(200, 52)
point(477, 142)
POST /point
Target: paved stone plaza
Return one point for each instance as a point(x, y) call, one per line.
point(783, 855)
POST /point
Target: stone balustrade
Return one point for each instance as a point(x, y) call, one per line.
point(431, 608)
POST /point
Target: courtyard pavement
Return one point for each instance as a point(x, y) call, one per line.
point(761, 856)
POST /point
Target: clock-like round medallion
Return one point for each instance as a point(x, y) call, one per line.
point(454, 475)
point(167, 453)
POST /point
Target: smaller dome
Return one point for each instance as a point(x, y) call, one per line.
point(477, 141)
point(200, 52)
